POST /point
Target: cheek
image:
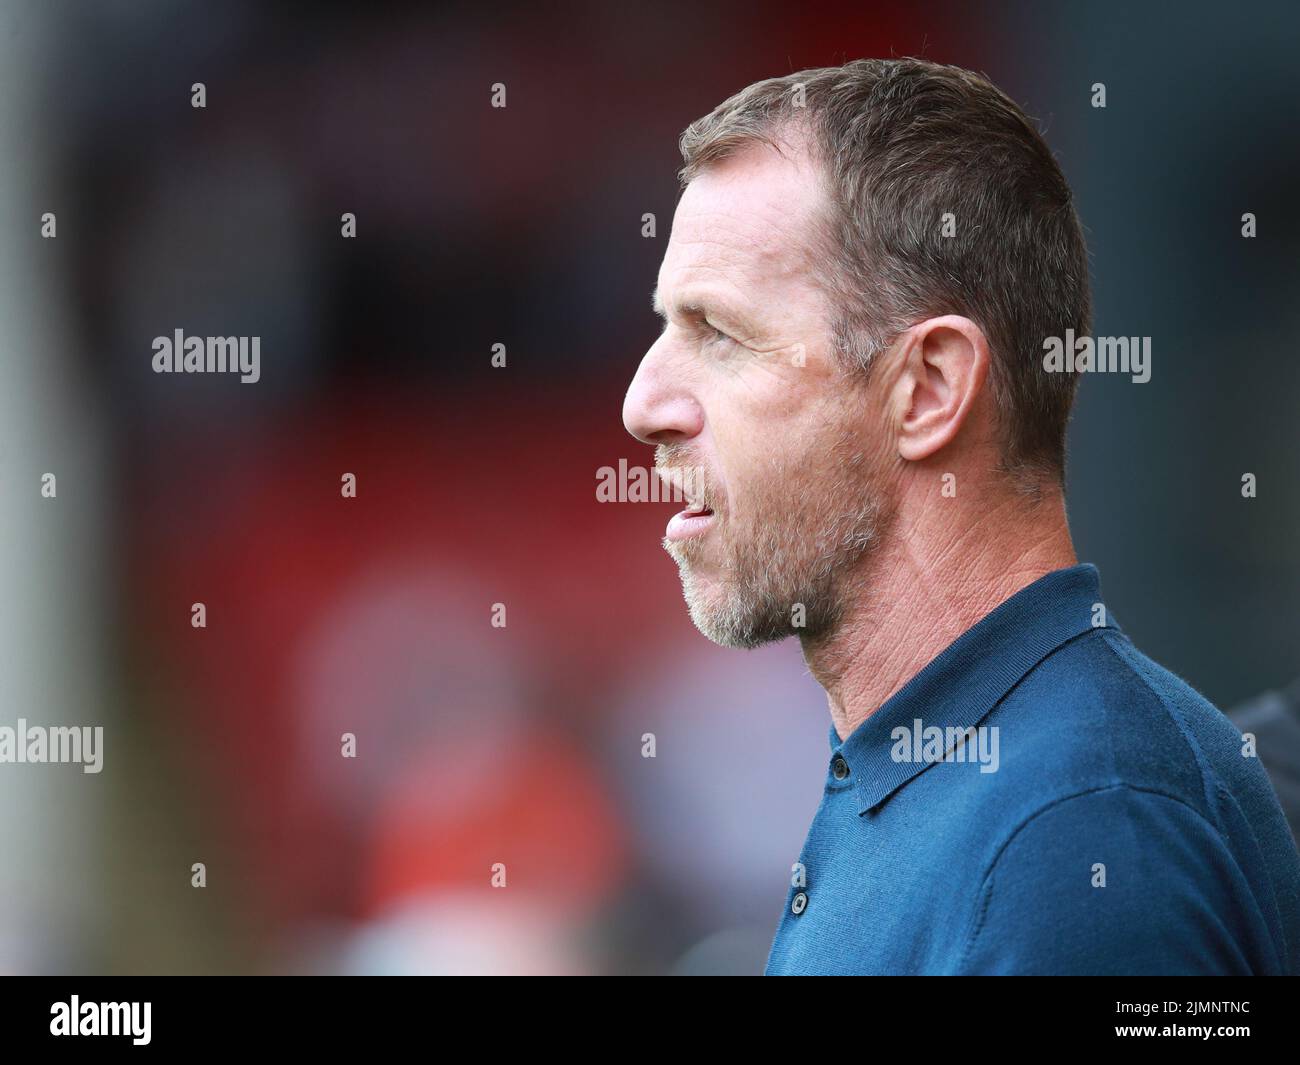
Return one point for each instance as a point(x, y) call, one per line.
point(767, 421)
point(760, 404)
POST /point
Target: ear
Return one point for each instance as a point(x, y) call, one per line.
point(944, 364)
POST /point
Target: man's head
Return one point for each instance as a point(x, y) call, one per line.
point(857, 253)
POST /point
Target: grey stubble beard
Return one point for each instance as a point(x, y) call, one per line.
point(795, 563)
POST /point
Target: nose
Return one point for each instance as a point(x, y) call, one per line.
point(659, 407)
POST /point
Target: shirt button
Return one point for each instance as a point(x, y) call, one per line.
point(798, 904)
point(839, 767)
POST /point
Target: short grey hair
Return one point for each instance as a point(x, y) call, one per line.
point(901, 143)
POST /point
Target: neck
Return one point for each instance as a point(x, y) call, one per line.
point(937, 572)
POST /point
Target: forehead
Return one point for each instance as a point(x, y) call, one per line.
point(748, 221)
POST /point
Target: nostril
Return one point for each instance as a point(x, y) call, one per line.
point(665, 436)
point(657, 409)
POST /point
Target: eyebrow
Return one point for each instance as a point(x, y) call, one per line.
point(702, 308)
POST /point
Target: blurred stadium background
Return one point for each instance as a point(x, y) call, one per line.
point(476, 485)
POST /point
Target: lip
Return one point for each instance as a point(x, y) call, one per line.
point(686, 524)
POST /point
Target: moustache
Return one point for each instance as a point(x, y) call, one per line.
point(691, 481)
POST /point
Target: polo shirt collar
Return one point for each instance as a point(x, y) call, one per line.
point(969, 678)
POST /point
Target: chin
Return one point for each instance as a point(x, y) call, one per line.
point(726, 621)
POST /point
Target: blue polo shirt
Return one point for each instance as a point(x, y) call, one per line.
point(1101, 818)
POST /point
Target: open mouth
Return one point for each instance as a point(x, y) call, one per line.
point(697, 516)
point(693, 521)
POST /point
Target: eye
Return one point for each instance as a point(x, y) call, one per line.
point(714, 335)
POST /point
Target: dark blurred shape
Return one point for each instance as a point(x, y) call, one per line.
point(1274, 719)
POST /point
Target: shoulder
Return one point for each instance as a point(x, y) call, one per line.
point(1098, 713)
point(1135, 834)
point(1121, 880)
